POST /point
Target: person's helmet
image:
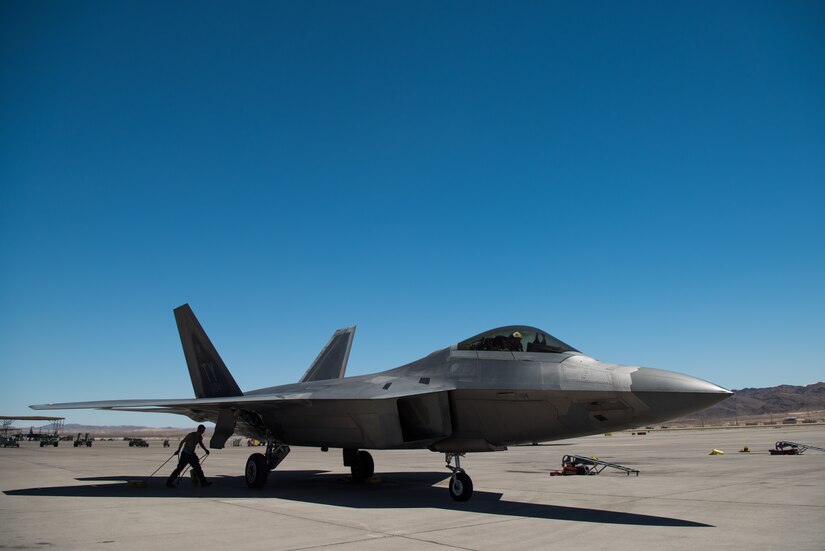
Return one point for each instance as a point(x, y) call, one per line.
point(517, 335)
point(201, 428)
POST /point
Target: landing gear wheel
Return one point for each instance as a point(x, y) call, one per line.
point(364, 468)
point(461, 487)
point(256, 470)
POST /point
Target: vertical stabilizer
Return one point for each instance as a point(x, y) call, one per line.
point(210, 377)
point(331, 363)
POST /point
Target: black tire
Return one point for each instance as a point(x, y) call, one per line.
point(256, 470)
point(365, 467)
point(462, 488)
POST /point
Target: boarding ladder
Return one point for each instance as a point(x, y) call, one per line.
point(594, 466)
point(799, 448)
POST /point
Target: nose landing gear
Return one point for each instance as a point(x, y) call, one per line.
point(461, 485)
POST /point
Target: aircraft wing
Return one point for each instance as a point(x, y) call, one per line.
point(347, 414)
point(367, 389)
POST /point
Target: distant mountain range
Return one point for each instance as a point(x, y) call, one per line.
point(125, 430)
point(70, 429)
point(77, 427)
point(776, 400)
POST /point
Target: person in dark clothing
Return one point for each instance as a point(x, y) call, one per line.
point(189, 457)
point(515, 342)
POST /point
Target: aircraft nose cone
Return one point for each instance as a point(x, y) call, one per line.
point(670, 395)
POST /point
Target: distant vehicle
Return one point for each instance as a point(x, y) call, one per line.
point(8, 442)
point(83, 440)
point(49, 441)
point(790, 421)
point(138, 443)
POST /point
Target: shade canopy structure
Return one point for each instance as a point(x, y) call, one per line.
point(7, 420)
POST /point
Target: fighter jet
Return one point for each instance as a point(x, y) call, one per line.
point(512, 385)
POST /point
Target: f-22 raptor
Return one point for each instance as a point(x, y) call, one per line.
point(506, 386)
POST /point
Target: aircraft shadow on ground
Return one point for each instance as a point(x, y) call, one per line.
point(393, 491)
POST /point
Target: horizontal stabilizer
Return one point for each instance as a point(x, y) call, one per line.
point(331, 363)
point(210, 377)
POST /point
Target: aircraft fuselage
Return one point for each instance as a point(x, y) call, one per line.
point(471, 401)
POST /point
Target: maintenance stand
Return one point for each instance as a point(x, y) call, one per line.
point(578, 464)
point(783, 447)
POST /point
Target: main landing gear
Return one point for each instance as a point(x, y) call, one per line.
point(461, 485)
point(360, 463)
point(258, 465)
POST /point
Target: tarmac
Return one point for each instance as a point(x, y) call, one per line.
point(79, 498)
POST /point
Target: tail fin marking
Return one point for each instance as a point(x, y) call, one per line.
point(210, 377)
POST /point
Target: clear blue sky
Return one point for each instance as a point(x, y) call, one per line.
point(644, 180)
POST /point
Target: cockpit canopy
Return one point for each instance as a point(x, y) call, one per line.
point(516, 338)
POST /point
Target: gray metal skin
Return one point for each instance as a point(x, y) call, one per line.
point(473, 401)
point(452, 401)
